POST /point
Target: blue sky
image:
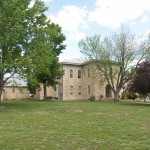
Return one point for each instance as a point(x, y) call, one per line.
point(81, 18)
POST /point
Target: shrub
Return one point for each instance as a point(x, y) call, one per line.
point(92, 98)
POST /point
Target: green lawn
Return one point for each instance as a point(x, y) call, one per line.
point(59, 125)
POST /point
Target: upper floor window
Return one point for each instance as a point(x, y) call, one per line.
point(88, 72)
point(79, 74)
point(71, 73)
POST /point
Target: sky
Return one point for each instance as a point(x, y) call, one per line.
point(81, 18)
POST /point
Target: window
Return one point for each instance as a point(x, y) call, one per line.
point(13, 90)
point(88, 89)
point(79, 90)
point(108, 91)
point(79, 74)
point(71, 90)
point(71, 73)
point(88, 72)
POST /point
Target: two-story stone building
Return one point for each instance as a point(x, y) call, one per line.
point(78, 83)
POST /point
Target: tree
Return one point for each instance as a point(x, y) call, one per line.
point(49, 77)
point(22, 28)
point(140, 82)
point(114, 57)
point(46, 68)
point(33, 86)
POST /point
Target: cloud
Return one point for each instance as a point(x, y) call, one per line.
point(76, 36)
point(47, 0)
point(112, 13)
point(133, 23)
point(33, 1)
point(147, 33)
point(144, 19)
point(71, 18)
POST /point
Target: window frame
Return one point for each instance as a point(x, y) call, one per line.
point(89, 90)
point(71, 73)
point(71, 89)
point(88, 72)
point(79, 74)
point(79, 90)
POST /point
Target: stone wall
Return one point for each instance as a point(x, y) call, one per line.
point(10, 93)
point(40, 92)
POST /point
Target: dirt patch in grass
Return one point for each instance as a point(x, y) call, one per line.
point(145, 127)
point(42, 113)
point(78, 110)
point(2, 107)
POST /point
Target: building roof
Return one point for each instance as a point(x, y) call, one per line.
point(73, 62)
point(15, 81)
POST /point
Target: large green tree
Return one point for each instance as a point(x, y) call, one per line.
point(49, 77)
point(114, 57)
point(22, 47)
point(46, 68)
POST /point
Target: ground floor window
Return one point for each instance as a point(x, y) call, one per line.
point(88, 89)
point(71, 90)
point(13, 90)
point(108, 91)
point(79, 90)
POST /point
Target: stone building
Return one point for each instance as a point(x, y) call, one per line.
point(15, 89)
point(80, 83)
point(15, 92)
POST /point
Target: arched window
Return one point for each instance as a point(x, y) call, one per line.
point(88, 72)
point(79, 74)
point(108, 91)
point(71, 73)
point(71, 90)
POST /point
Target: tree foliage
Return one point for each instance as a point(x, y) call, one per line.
point(28, 40)
point(140, 83)
point(46, 46)
point(114, 57)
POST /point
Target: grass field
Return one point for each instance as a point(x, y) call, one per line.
point(57, 125)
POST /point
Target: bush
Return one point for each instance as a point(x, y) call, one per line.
point(132, 96)
point(92, 98)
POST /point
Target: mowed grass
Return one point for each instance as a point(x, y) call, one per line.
point(77, 125)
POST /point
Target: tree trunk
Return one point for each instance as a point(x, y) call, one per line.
point(1, 87)
point(1, 91)
point(45, 91)
point(116, 95)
